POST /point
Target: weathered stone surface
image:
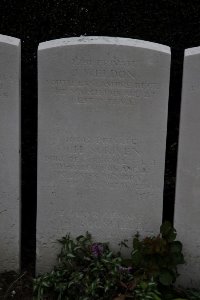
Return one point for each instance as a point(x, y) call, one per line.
point(9, 152)
point(187, 205)
point(101, 139)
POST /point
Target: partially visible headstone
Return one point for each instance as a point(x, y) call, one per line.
point(9, 152)
point(187, 205)
point(101, 140)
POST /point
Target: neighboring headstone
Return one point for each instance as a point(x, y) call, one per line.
point(9, 153)
point(187, 205)
point(101, 140)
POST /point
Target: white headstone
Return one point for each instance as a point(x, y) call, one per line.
point(187, 205)
point(101, 139)
point(9, 152)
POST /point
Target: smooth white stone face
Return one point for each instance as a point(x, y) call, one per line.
point(187, 205)
point(9, 152)
point(101, 140)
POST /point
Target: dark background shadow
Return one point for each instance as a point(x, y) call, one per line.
point(170, 22)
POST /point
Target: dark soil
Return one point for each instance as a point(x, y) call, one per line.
point(16, 286)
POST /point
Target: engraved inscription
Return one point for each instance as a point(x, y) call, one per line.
point(100, 161)
point(98, 83)
point(104, 88)
point(112, 61)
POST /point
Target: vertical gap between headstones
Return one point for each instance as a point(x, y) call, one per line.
point(172, 133)
point(28, 156)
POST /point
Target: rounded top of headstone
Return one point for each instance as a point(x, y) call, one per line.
point(104, 40)
point(9, 40)
point(192, 51)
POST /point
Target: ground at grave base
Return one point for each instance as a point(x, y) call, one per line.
point(15, 286)
point(20, 287)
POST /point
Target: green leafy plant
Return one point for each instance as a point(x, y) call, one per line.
point(157, 257)
point(193, 294)
point(89, 271)
point(147, 290)
point(85, 270)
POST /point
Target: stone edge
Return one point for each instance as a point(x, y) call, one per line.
point(9, 40)
point(92, 40)
point(192, 51)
